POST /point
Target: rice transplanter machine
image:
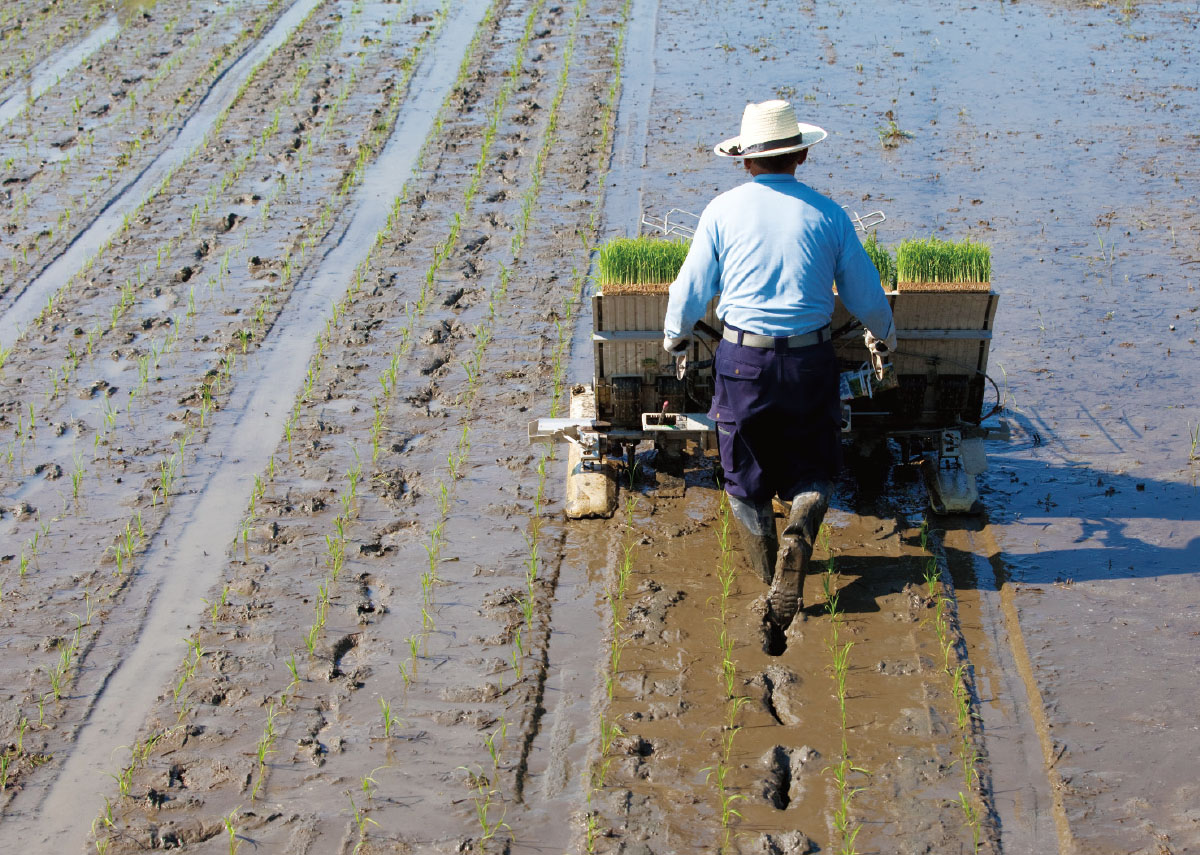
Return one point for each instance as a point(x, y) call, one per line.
point(928, 396)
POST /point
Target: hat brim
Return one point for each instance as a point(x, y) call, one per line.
point(732, 146)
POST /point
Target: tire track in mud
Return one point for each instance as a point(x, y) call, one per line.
point(152, 179)
point(129, 99)
point(1026, 785)
point(373, 207)
point(30, 36)
point(53, 69)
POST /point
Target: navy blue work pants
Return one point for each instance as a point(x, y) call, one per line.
point(778, 417)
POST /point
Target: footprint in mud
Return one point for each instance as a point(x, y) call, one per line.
point(228, 222)
point(783, 783)
point(434, 363)
point(781, 696)
point(788, 843)
point(393, 486)
point(337, 652)
point(775, 641)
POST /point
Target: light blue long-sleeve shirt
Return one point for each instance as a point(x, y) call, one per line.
point(772, 248)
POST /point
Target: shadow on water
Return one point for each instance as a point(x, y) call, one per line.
point(1109, 525)
point(1106, 524)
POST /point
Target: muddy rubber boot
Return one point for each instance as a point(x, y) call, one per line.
point(756, 532)
point(784, 599)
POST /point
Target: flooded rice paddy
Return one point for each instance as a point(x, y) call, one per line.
point(281, 284)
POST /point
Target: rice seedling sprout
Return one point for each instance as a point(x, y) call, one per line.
point(934, 260)
point(632, 261)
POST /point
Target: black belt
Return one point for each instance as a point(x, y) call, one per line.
point(748, 339)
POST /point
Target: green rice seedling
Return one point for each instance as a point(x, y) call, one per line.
point(106, 818)
point(336, 551)
point(361, 823)
point(892, 135)
point(322, 602)
point(609, 731)
point(489, 741)
point(483, 799)
point(376, 430)
point(527, 610)
point(76, 477)
point(390, 721)
point(717, 776)
point(230, 822)
point(934, 260)
point(846, 792)
point(124, 780)
point(368, 785)
point(883, 261)
point(413, 645)
point(294, 670)
point(632, 261)
point(517, 659)
point(354, 473)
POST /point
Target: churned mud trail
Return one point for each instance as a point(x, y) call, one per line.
point(706, 742)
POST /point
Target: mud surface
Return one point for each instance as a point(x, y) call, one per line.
point(282, 284)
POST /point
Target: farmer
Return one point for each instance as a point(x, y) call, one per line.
point(772, 248)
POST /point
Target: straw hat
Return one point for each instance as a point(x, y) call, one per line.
point(768, 129)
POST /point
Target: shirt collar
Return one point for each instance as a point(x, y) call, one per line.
point(775, 178)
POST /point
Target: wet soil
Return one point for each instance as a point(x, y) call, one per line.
point(279, 569)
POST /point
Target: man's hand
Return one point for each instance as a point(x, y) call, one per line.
point(878, 348)
point(679, 347)
point(886, 344)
